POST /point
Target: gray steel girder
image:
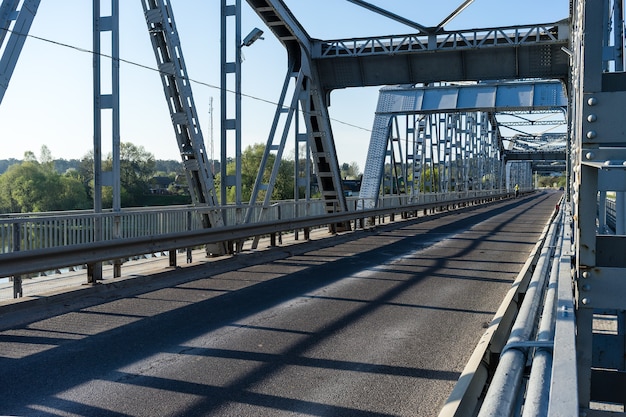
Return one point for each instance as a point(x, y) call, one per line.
point(535, 156)
point(514, 53)
point(285, 27)
point(312, 98)
point(461, 65)
point(179, 97)
point(23, 19)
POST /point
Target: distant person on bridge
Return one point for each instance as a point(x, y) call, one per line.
point(516, 190)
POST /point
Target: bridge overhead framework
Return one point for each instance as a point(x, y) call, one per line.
point(532, 51)
point(453, 126)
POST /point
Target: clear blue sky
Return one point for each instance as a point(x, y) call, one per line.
point(49, 99)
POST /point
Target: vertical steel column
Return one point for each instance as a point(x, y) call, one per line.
point(302, 174)
point(94, 271)
point(411, 154)
point(620, 209)
point(393, 147)
point(429, 137)
point(599, 152)
point(408, 151)
point(276, 143)
point(101, 24)
point(618, 34)
point(230, 123)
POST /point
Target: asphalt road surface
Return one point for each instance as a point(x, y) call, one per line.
point(371, 323)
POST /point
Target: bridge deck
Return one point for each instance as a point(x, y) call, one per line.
point(374, 323)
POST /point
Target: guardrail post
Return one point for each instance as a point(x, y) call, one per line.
point(620, 209)
point(94, 270)
point(189, 260)
point(280, 234)
point(602, 211)
point(17, 279)
point(172, 256)
point(117, 263)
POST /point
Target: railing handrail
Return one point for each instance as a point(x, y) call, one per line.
point(43, 229)
point(35, 260)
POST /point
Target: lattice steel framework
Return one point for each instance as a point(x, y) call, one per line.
point(435, 152)
point(311, 103)
point(105, 24)
point(230, 97)
point(15, 22)
point(176, 86)
point(598, 128)
point(454, 136)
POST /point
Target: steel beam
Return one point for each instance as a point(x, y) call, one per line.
point(177, 89)
point(313, 101)
point(513, 53)
point(22, 18)
point(494, 97)
point(392, 16)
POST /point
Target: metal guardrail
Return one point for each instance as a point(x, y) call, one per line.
point(608, 216)
point(23, 232)
point(445, 40)
point(60, 256)
point(534, 325)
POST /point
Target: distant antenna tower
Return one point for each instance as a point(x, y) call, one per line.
point(211, 134)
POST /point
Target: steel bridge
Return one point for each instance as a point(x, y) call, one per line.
point(437, 138)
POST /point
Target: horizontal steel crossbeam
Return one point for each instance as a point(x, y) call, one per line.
point(540, 95)
point(445, 40)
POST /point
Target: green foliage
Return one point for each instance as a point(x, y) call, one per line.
point(6, 163)
point(136, 172)
point(166, 200)
point(250, 163)
point(284, 188)
point(429, 181)
point(168, 166)
point(63, 166)
point(34, 187)
point(350, 171)
point(49, 184)
point(550, 181)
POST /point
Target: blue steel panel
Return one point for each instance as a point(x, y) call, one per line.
point(477, 98)
point(440, 99)
point(547, 94)
point(515, 95)
point(494, 97)
point(375, 160)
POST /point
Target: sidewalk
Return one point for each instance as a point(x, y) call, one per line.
point(54, 284)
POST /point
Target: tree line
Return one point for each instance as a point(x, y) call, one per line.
point(45, 184)
point(40, 184)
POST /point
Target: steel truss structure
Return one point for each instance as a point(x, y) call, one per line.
point(14, 21)
point(451, 40)
point(176, 86)
point(451, 144)
point(451, 136)
point(433, 153)
point(309, 101)
point(106, 25)
point(308, 69)
point(598, 157)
